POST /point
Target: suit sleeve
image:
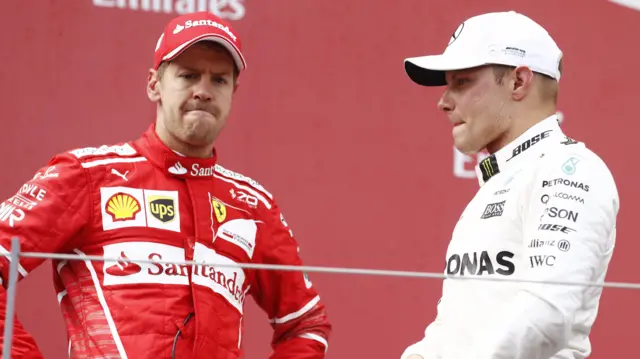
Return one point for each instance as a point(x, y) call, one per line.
point(296, 313)
point(43, 214)
point(569, 235)
point(427, 348)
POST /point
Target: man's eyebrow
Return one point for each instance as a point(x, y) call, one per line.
point(453, 75)
point(187, 68)
point(461, 73)
point(224, 72)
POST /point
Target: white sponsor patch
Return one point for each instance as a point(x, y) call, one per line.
point(120, 272)
point(122, 150)
point(162, 209)
point(224, 280)
point(241, 232)
point(124, 207)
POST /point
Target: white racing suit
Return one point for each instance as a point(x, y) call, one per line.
point(545, 211)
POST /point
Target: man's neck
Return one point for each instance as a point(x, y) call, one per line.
point(517, 126)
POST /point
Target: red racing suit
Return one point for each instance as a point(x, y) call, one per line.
point(142, 201)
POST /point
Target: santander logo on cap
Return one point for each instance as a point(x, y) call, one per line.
point(194, 23)
point(185, 30)
point(178, 29)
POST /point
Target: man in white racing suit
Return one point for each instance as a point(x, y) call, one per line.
point(546, 209)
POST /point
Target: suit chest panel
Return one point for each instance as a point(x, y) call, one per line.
point(487, 240)
point(135, 202)
point(131, 200)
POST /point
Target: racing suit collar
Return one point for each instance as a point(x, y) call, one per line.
point(174, 164)
point(517, 153)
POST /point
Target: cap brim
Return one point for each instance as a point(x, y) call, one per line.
point(233, 50)
point(430, 70)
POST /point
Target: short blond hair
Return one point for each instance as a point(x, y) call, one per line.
point(549, 88)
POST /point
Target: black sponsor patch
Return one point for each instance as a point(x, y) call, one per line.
point(163, 209)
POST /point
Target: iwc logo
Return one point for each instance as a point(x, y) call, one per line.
point(456, 34)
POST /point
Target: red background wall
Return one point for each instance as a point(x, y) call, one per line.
point(327, 120)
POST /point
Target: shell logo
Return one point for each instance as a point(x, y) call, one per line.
point(122, 207)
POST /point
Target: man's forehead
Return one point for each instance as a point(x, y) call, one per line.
point(470, 71)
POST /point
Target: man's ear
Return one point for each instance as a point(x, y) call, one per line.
point(522, 79)
point(153, 84)
point(235, 86)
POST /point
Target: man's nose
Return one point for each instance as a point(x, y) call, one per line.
point(203, 90)
point(445, 104)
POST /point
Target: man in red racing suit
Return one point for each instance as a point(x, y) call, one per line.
point(144, 200)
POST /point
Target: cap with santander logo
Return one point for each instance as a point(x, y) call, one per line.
point(185, 30)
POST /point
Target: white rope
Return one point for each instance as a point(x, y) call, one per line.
point(337, 270)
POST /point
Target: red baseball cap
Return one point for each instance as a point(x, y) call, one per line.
point(185, 30)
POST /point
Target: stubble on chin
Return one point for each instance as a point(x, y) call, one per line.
point(198, 133)
point(198, 136)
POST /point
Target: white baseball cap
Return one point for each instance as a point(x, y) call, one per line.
point(500, 38)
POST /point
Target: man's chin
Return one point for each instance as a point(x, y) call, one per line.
point(466, 147)
point(201, 136)
point(468, 152)
point(199, 133)
point(201, 121)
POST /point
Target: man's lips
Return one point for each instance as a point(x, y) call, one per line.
point(204, 112)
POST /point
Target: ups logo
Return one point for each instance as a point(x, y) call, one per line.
point(163, 208)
